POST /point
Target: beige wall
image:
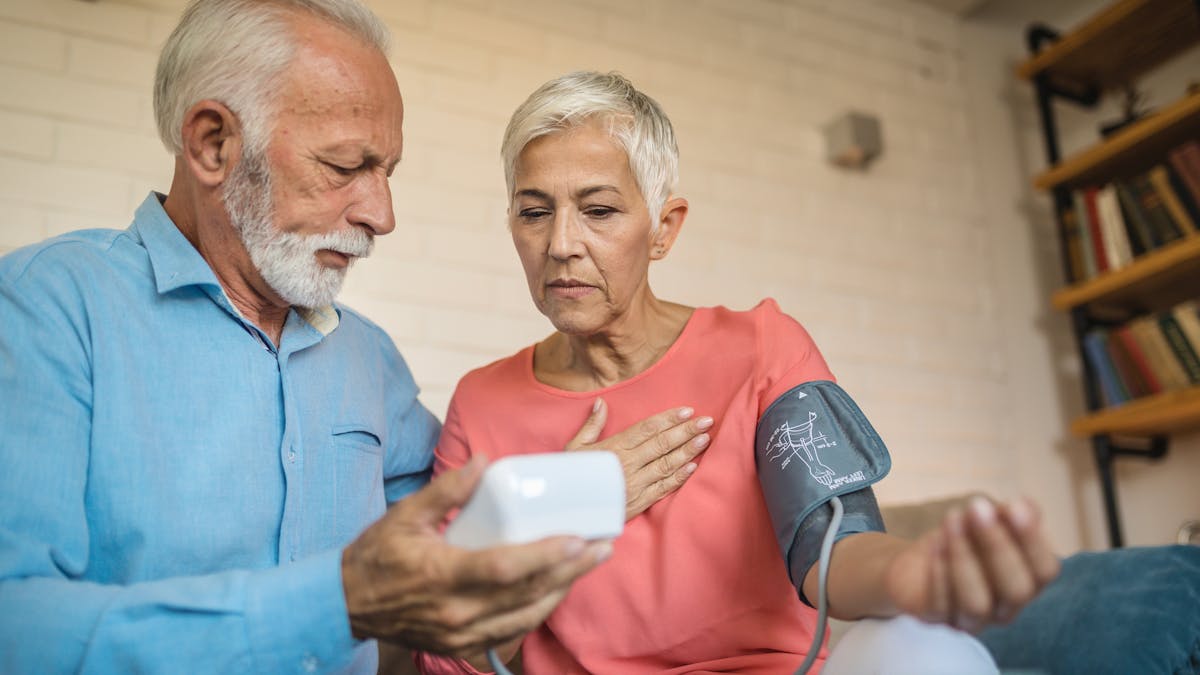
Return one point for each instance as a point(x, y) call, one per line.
point(924, 280)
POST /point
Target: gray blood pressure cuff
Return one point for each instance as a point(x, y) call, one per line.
point(812, 444)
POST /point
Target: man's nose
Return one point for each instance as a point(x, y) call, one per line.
point(372, 207)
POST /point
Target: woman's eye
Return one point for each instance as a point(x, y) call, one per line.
point(599, 211)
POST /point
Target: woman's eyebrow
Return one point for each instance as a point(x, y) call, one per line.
point(532, 192)
point(593, 189)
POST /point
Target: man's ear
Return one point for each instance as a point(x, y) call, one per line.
point(670, 222)
point(212, 142)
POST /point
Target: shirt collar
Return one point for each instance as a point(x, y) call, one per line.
point(176, 263)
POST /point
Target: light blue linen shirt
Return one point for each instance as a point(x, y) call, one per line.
point(175, 491)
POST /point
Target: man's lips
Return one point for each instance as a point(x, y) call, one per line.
point(334, 258)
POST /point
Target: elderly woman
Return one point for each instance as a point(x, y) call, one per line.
point(697, 581)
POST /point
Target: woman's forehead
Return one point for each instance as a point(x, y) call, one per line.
point(583, 152)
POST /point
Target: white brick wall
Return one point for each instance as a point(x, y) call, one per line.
point(890, 270)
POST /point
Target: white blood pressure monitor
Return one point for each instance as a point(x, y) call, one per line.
point(523, 498)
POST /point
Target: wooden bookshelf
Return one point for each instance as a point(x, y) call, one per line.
point(1131, 150)
point(1165, 413)
point(1109, 51)
point(1153, 282)
point(1115, 46)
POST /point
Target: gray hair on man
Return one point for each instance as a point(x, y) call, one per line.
point(233, 51)
point(633, 119)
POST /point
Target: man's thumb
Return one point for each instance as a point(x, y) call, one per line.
point(590, 431)
point(447, 492)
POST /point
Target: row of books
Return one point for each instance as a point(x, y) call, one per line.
point(1149, 355)
point(1109, 226)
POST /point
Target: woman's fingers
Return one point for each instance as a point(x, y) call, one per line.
point(941, 599)
point(590, 431)
point(1025, 522)
point(656, 453)
point(672, 446)
point(1008, 572)
point(997, 560)
point(968, 579)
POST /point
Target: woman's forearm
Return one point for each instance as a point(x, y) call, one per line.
point(857, 569)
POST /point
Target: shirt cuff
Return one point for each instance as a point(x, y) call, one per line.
point(296, 617)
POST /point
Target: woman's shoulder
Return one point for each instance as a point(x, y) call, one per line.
point(764, 319)
point(503, 373)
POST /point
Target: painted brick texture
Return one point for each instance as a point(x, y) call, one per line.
point(890, 269)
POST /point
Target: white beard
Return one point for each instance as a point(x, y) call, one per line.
point(287, 261)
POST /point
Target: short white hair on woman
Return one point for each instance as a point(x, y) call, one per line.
point(234, 51)
point(633, 119)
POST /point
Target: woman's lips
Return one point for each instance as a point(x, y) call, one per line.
point(572, 290)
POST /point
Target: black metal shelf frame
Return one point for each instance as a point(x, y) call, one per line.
point(1105, 448)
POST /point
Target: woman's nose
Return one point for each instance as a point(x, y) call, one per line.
point(565, 239)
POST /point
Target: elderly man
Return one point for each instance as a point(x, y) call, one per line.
point(195, 441)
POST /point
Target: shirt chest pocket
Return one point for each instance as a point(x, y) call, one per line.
point(358, 477)
point(356, 436)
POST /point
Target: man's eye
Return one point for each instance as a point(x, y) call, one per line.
point(341, 170)
point(532, 214)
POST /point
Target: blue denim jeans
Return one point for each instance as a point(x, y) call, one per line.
point(1124, 611)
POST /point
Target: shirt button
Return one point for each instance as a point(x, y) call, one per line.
point(310, 664)
point(292, 456)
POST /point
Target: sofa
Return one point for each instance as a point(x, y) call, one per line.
point(1133, 611)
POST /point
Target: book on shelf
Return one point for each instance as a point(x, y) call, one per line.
point(1095, 350)
point(1140, 234)
point(1185, 160)
point(1149, 355)
point(1128, 350)
point(1163, 359)
point(1076, 271)
point(1160, 180)
point(1087, 249)
point(1112, 228)
point(1099, 246)
point(1108, 226)
point(1184, 349)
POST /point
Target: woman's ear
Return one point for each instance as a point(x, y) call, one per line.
point(670, 222)
point(212, 142)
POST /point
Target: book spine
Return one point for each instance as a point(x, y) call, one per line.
point(1138, 359)
point(1116, 238)
point(1076, 271)
point(1127, 373)
point(1139, 231)
point(1093, 222)
point(1161, 182)
point(1186, 161)
point(1165, 229)
point(1097, 356)
point(1180, 347)
point(1085, 236)
point(1185, 196)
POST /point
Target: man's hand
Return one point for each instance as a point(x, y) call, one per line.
point(405, 584)
point(981, 566)
point(656, 454)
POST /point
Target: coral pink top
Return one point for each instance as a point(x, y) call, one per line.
point(696, 583)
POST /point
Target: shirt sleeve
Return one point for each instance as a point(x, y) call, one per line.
point(286, 619)
point(408, 463)
point(787, 355)
point(452, 452)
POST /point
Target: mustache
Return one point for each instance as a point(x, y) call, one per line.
point(355, 242)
